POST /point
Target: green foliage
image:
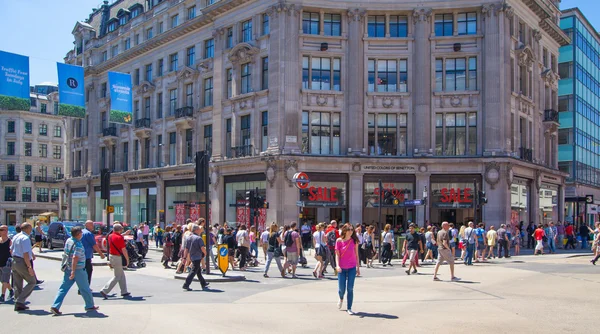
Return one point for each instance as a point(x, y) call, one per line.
point(117, 116)
point(14, 103)
point(71, 110)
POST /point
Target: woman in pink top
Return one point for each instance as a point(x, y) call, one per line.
point(346, 254)
point(253, 243)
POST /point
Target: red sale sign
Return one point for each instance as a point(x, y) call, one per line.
point(180, 213)
point(195, 212)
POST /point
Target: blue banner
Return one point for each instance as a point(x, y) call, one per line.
point(14, 82)
point(120, 97)
point(71, 90)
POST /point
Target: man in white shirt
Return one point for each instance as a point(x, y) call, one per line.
point(21, 268)
point(264, 242)
point(140, 240)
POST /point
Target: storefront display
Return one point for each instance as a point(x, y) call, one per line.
point(393, 190)
point(452, 198)
point(235, 197)
point(548, 203)
point(325, 199)
point(79, 206)
point(116, 200)
point(180, 195)
point(143, 204)
point(520, 201)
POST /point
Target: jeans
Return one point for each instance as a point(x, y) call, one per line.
point(196, 270)
point(119, 276)
point(270, 257)
point(584, 240)
point(434, 250)
point(254, 249)
point(552, 245)
point(81, 278)
point(503, 244)
point(346, 283)
point(243, 256)
point(470, 251)
point(159, 241)
point(89, 269)
point(20, 274)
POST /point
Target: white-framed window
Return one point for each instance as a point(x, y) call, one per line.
point(172, 101)
point(398, 26)
point(229, 85)
point(388, 75)
point(455, 74)
point(376, 25)
point(321, 133)
point(321, 73)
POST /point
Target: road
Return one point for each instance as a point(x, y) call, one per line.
point(524, 294)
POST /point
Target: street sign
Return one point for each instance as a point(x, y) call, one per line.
point(589, 199)
point(301, 180)
point(223, 258)
point(300, 203)
point(413, 202)
point(110, 209)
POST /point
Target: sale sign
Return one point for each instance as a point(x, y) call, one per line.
point(180, 213)
point(195, 212)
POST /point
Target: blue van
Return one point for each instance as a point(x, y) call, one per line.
point(59, 232)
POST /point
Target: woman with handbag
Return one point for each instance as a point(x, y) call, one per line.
point(177, 239)
point(388, 240)
point(319, 243)
point(73, 265)
point(167, 248)
point(346, 254)
point(368, 238)
point(274, 250)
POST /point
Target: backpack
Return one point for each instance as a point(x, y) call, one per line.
point(288, 239)
point(331, 238)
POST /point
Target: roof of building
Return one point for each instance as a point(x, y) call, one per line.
point(577, 12)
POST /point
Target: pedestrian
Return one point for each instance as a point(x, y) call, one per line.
point(584, 234)
point(503, 242)
point(346, 253)
point(332, 234)
point(264, 242)
point(444, 252)
point(6, 261)
point(229, 240)
point(273, 250)
point(492, 237)
point(182, 265)
point(159, 235)
point(481, 242)
point(387, 236)
point(306, 235)
point(293, 247)
point(595, 232)
point(552, 236)
point(596, 244)
point(167, 248)
point(412, 244)
point(429, 242)
point(539, 236)
point(453, 239)
point(471, 243)
point(570, 233)
point(368, 238)
point(530, 229)
point(243, 243)
point(253, 242)
point(517, 239)
point(421, 255)
point(89, 245)
point(560, 230)
point(462, 243)
point(22, 269)
point(177, 238)
point(195, 251)
point(119, 259)
point(319, 243)
point(39, 235)
point(145, 232)
point(361, 243)
point(74, 268)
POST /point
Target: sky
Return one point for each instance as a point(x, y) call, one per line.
point(44, 33)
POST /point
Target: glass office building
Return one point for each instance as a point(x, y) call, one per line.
point(579, 116)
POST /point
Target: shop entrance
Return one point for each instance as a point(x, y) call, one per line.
point(317, 215)
point(11, 218)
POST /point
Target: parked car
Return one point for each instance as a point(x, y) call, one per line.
point(12, 231)
point(59, 232)
point(101, 232)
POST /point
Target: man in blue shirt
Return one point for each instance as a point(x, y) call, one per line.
point(89, 245)
point(481, 242)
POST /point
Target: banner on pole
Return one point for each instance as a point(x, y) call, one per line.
point(14, 82)
point(180, 213)
point(120, 97)
point(71, 90)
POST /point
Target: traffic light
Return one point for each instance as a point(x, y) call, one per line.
point(201, 175)
point(260, 202)
point(482, 200)
point(250, 200)
point(105, 184)
point(388, 198)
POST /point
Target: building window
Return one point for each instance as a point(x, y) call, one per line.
point(229, 38)
point(57, 152)
point(376, 26)
point(149, 72)
point(27, 172)
point(159, 106)
point(136, 39)
point(127, 44)
point(246, 79)
point(42, 194)
point(136, 12)
point(54, 194)
point(387, 134)
point(189, 149)
point(161, 27)
point(456, 134)
point(174, 21)
point(123, 20)
point(147, 107)
point(189, 95)
point(57, 131)
point(112, 26)
point(173, 59)
point(125, 157)
point(229, 83)
point(209, 48)
point(103, 89)
point(136, 76)
point(10, 169)
point(136, 109)
point(160, 67)
point(265, 73)
point(208, 92)
point(467, 23)
point(11, 127)
point(172, 148)
point(444, 24)
point(332, 25)
point(10, 194)
point(172, 101)
point(28, 149)
point(321, 133)
point(228, 137)
point(398, 26)
point(114, 51)
point(265, 24)
point(245, 129)
point(26, 194)
point(317, 73)
point(103, 157)
point(190, 56)
point(247, 31)
point(146, 161)
point(10, 148)
point(28, 128)
point(44, 171)
point(43, 130)
point(104, 56)
point(136, 155)
point(159, 144)
point(452, 74)
point(388, 75)
point(208, 139)
point(311, 23)
point(191, 12)
point(44, 108)
point(264, 131)
point(57, 173)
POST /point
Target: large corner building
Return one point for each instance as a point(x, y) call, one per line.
point(429, 98)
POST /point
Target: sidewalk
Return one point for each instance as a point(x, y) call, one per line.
point(56, 255)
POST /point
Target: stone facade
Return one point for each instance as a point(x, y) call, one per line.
point(431, 97)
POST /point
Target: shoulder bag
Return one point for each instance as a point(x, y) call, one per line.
point(65, 259)
point(123, 259)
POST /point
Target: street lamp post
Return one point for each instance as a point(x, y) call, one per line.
point(425, 196)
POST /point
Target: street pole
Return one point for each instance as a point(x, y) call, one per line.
point(476, 203)
point(207, 222)
point(379, 220)
point(424, 205)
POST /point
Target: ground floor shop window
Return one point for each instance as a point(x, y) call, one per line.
point(235, 201)
point(181, 202)
point(116, 200)
point(79, 206)
point(143, 205)
point(519, 201)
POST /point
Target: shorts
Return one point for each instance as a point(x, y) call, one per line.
point(5, 274)
point(481, 246)
point(445, 255)
point(292, 258)
point(539, 246)
point(412, 255)
point(452, 244)
point(38, 238)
